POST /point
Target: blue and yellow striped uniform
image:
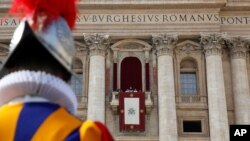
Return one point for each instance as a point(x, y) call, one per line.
point(42, 121)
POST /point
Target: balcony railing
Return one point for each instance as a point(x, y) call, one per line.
point(114, 102)
point(191, 99)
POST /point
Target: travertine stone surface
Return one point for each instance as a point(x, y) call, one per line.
point(238, 49)
point(96, 92)
point(96, 98)
point(164, 45)
point(218, 118)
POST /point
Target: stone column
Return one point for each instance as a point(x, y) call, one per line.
point(97, 44)
point(164, 45)
point(218, 119)
point(238, 50)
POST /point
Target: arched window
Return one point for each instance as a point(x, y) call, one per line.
point(76, 82)
point(188, 77)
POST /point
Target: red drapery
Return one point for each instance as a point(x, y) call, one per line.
point(115, 76)
point(131, 74)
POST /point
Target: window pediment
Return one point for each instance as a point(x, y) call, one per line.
point(131, 45)
point(188, 47)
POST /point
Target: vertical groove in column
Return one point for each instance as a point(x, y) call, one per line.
point(97, 45)
point(166, 92)
point(164, 45)
point(217, 106)
point(96, 98)
point(218, 119)
point(238, 51)
point(241, 91)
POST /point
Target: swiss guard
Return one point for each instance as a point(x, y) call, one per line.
point(36, 103)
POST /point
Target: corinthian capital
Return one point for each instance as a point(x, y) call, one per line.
point(238, 47)
point(164, 43)
point(97, 43)
point(213, 43)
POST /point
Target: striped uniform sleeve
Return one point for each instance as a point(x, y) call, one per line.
point(36, 122)
point(47, 122)
point(94, 131)
point(8, 121)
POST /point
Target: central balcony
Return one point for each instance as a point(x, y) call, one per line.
point(114, 103)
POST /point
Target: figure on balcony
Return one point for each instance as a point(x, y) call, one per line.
point(130, 89)
point(135, 91)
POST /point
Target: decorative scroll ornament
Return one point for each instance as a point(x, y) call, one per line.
point(97, 43)
point(213, 43)
point(165, 43)
point(238, 47)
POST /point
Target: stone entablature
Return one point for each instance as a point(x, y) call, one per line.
point(157, 17)
point(152, 3)
point(142, 23)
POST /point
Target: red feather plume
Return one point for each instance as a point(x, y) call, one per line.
point(50, 9)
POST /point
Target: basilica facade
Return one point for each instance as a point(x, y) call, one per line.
point(188, 58)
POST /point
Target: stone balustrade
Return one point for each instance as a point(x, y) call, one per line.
point(114, 103)
point(191, 99)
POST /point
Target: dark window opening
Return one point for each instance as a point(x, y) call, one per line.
point(192, 126)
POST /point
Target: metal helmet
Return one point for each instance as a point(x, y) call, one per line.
point(49, 24)
point(46, 27)
point(56, 38)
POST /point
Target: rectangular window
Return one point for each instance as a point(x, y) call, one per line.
point(192, 126)
point(188, 83)
point(76, 84)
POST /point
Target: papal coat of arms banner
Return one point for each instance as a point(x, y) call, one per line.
point(132, 111)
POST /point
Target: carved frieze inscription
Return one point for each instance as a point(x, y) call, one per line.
point(135, 18)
